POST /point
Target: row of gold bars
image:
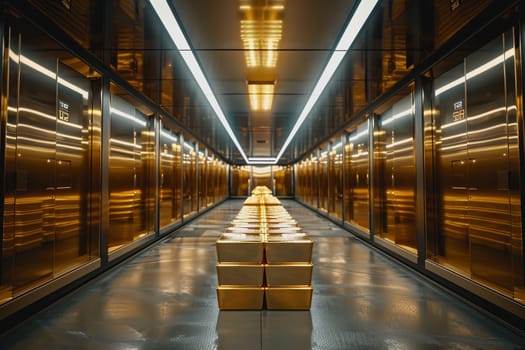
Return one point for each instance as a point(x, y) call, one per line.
point(264, 260)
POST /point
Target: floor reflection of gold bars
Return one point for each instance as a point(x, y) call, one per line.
point(264, 259)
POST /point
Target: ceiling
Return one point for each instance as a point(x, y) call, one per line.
point(310, 29)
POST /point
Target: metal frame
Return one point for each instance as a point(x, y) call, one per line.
point(3, 127)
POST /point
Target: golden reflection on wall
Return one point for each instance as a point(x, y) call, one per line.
point(261, 31)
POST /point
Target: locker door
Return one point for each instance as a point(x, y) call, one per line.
point(35, 169)
point(489, 210)
point(452, 171)
point(71, 169)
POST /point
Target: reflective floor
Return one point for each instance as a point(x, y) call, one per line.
point(165, 299)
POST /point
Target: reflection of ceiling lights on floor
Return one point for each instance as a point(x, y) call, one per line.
point(261, 96)
point(261, 32)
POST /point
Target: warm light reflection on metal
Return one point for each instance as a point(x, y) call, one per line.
point(402, 142)
point(476, 143)
point(261, 32)
point(261, 28)
point(480, 131)
point(127, 116)
point(48, 143)
point(261, 96)
point(475, 72)
point(51, 132)
point(48, 116)
point(32, 64)
point(169, 136)
point(359, 154)
point(358, 135)
point(408, 112)
point(124, 143)
point(474, 117)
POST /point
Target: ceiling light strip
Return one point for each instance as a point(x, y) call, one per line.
point(163, 11)
point(352, 29)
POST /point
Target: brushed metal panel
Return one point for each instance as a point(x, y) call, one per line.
point(452, 171)
point(396, 174)
point(489, 210)
point(240, 298)
point(35, 170)
point(357, 170)
point(130, 178)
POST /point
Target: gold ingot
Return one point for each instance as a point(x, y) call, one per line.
point(240, 274)
point(289, 298)
point(243, 230)
point(279, 250)
point(282, 225)
point(285, 230)
point(240, 248)
point(240, 298)
point(288, 274)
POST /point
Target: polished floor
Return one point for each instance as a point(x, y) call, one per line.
point(164, 298)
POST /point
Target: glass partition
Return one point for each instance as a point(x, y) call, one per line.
point(396, 175)
point(131, 171)
point(282, 178)
point(479, 233)
point(323, 179)
point(335, 183)
point(202, 179)
point(170, 176)
point(262, 176)
point(357, 170)
point(189, 182)
point(52, 151)
point(241, 180)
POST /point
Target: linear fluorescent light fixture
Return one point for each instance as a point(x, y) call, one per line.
point(358, 19)
point(165, 14)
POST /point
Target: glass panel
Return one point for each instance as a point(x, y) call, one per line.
point(356, 167)
point(170, 177)
point(131, 197)
point(323, 180)
point(336, 180)
point(476, 168)
point(396, 174)
point(47, 212)
point(313, 175)
point(262, 176)
point(189, 184)
point(487, 162)
point(240, 180)
point(203, 180)
point(211, 180)
point(72, 180)
point(282, 177)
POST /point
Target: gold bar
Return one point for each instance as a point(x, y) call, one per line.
point(240, 274)
point(239, 248)
point(281, 251)
point(288, 274)
point(289, 298)
point(240, 298)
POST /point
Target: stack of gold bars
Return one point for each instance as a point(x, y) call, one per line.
point(264, 260)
